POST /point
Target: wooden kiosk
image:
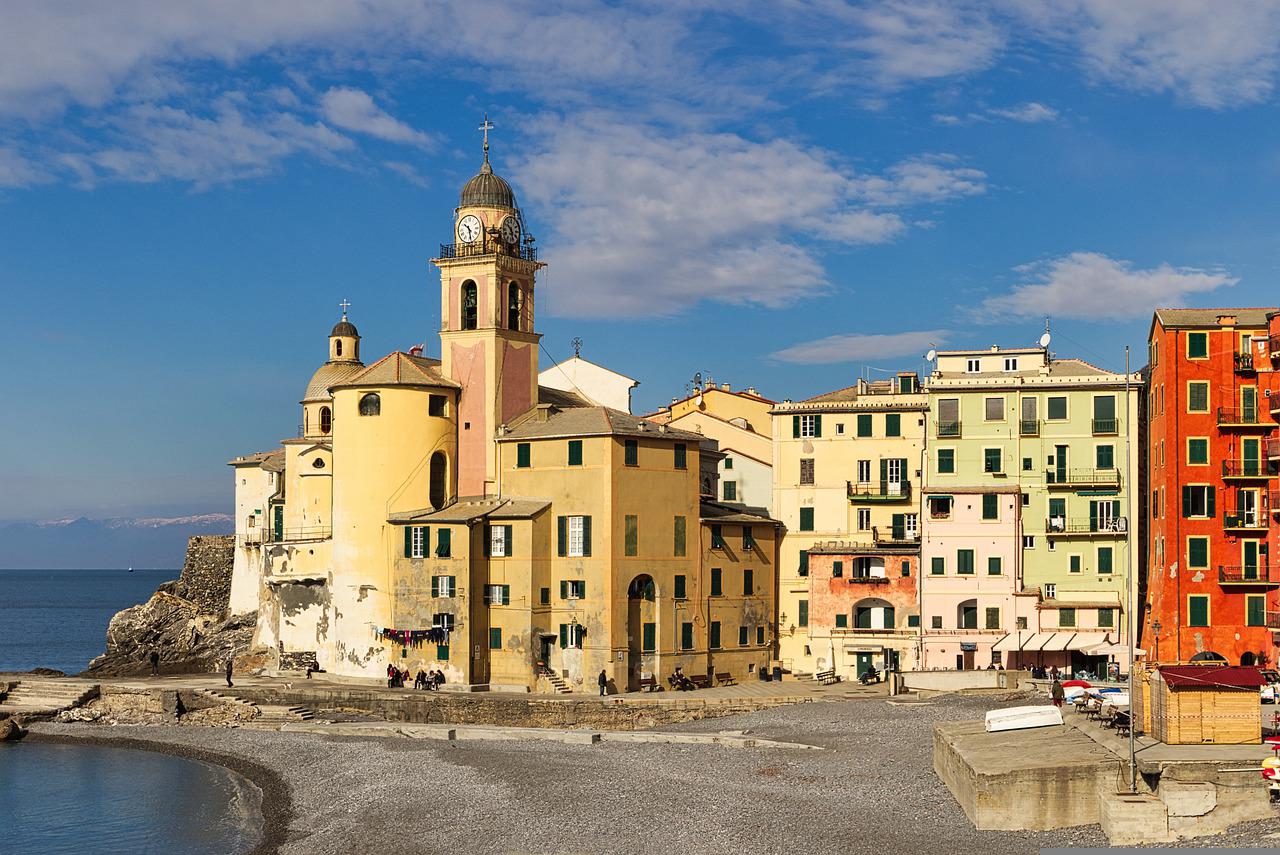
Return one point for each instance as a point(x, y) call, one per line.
point(1206, 704)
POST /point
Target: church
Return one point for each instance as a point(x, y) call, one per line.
point(455, 513)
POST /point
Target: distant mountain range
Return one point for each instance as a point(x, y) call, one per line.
point(83, 543)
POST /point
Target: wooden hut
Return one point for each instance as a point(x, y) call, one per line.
point(1195, 704)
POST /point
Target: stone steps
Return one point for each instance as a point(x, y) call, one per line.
point(46, 697)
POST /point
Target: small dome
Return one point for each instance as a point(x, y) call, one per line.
point(327, 375)
point(488, 190)
point(344, 327)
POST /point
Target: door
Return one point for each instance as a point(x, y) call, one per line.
point(1250, 457)
point(863, 664)
point(279, 523)
point(1030, 418)
point(1249, 405)
point(1247, 507)
point(967, 663)
point(544, 652)
point(1059, 464)
point(893, 477)
point(899, 526)
point(1249, 554)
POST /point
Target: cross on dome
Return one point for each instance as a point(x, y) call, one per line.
point(344, 305)
point(486, 126)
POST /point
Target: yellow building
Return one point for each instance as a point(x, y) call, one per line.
point(453, 514)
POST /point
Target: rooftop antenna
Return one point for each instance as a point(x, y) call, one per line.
point(576, 344)
point(1046, 338)
point(932, 354)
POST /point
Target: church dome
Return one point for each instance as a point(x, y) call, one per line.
point(344, 327)
point(487, 190)
point(328, 375)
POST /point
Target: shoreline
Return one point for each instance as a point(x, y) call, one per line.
point(277, 802)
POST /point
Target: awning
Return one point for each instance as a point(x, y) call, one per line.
point(1113, 648)
point(1027, 641)
point(1013, 641)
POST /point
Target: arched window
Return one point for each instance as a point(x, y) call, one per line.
point(438, 487)
point(470, 305)
point(337, 347)
point(326, 420)
point(513, 306)
point(371, 405)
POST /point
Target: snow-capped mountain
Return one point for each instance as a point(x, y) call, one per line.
point(83, 543)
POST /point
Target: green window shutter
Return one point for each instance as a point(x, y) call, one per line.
point(435, 586)
point(864, 424)
point(817, 426)
point(842, 621)
point(906, 569)
point(964, 562)
point(1255, 610)
point(715, 581)
point(564, 635)
point(506, 595)
point(795, 427)
point(946, 461)
point(1105, 456)
point(913, 621)
point(506, 538)
point(1198, 611)
point(582, 589)
point(804, 562)
point(990, 506)
point(1210, 503)
point(937, 565)
point(884, 469)
point(678, 546)
point(680, 587)
point(488, 539)
point(717, 539)
point(1186, 501)
point(759, 635)
point(715, 635)
point(575, 452)
point(522, 455)
point(1198, 552)
point(442, 652)
point(1104, 560)
point(631, 452)
point(993, 565)
point(893, 425)
point(890, 621)
point(544, 596)
point(806, 519)
point(1106, 618)
point(562, 536)
point(1093, 516)
point(742, 636)
point(495, 638)
point(444, 543)
point(453, 586)
point(408, 541)
point(564, 589)
point(748, 583)
point(1067, 617)
point(650, 642)
point(681, 456)
point(802, 619)
point(898, 526)
point(631, 527)
point(686, 636)
point(586, 537)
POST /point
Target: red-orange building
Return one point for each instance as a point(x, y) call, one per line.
point(1214, 498)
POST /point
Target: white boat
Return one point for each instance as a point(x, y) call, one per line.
point(1021, 718)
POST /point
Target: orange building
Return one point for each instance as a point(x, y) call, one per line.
point(1214, 500)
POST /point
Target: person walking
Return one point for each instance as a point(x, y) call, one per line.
point(603, 681)
point(1056, 693)
point(230, 665)
point(155, 663)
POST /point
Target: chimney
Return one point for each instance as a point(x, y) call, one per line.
point(1226, 320)
point(724, 387)
point(995, 348)
point(751, 390)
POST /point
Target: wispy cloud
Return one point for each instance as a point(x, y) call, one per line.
point(354, 110)
point(1027, 113)
point(1093, 286)
point(858, 347)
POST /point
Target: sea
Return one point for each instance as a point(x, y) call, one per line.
point(58, 618)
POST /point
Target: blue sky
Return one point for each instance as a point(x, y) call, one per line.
point(782, 194)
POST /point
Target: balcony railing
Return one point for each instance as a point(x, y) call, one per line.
point(1246, 469)
point(868, 630)
point(1272, 448)
point(948, 429)
point(1095, 528)
point(1244, 363)
point(879, 491)
point(1237, 574)
point(1273, 620)
point(1275, 346)
point(1106, 427)
point(1082, 477)
point(1029, 427)
point(1244, 520)
point(894, 537)
point(304, 533)
point(868, 580)
point(1240, 417)
point(488, 246)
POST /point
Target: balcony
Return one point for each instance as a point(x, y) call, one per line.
point(488, 246)
point(868, 580)
point(1273, 620)
point(252, 536)
point(1070, 478)
point(1244, 363)
point(872, 630)
point(1244, 520)
point(1241, 417)
point(1273, 450)
point(879, 491)
point(1106, 427)
point(1071, 527)
point(895, 537)
point(289, 535)
point(948, 429)
point(1255, 575)
point(1028, 427)
point(1246, 469)
point(1275, 346)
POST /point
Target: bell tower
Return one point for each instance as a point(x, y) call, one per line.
point(487, 339)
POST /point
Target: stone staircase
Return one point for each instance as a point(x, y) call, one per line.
point(557, 682)
point(45, 698)
point(269, 715)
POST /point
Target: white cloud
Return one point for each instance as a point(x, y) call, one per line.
point(856, 347)
point(354, 110)
point(912, 40)
point(649, 220)
point(406, 171)
point(1093, 286)
point(17, 171)
point(1028, 113)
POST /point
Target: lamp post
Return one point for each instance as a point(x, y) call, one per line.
point(1155, 629)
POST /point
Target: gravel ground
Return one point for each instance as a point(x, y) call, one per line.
point(872, 791)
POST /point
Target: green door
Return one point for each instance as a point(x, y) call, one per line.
point(1059, 464)
point(1249, 405)
point(899, 526)
point(864, 664)
point(1252, 465)
point(1250, 559)
point(279, 523)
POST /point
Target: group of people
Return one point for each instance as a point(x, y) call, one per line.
point(431, 681)
point(682, 682)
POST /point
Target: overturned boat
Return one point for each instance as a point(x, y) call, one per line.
point(1021, 718)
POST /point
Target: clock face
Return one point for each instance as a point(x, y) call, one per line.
point(511, 230)
point(469, 228)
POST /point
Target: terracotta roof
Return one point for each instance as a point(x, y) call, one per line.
point(718, 512)
point(561, 398)
point(589, 421)
point(328, 375)
point(400, 369)
point(1210, 676)
point(272, 461)
point(1245, 317)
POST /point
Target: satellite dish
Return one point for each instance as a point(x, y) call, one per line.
point(1044, 340)
point(931, 355)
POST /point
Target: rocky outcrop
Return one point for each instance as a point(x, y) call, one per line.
point(185, 621)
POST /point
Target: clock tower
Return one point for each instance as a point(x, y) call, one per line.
point(487, 342)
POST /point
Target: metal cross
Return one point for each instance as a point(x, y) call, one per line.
point(345, 305)
point(577, 345)
point(486, 127)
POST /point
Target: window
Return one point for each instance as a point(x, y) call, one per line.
point(759, 635)
point(946, 461)
point(807, 426)
point(990, 506)
point(730, 491)
point(806, 470)
point(544, 596)
point(1028, 541)
point(1197, 500)
point(498, 595)
point(1197, 345)
point(964, 562)
point(1106, 557)
point(631, 535)
point(573, 537)
point(906, 384)
point(326, 420)
point(631, 453)
point(991, 460)
point(1197, 451)
point(418, 541)
point(679, 589)
point(748, 539)
point(437, 406)
point(716, 578)
point(649, 637)
point(748, 583)
point(573, 589)
point(686, 636)
point(1105, 456)
point(864, 471)
point(842, 621)
point(993, 617)
point(1026, 464)
point(837, 569)
point(470, 305)
point(1050, 591)
point(1056, 408)
point(1106, 618)
point(1155, 504)
point(444, 586)
point(742, 636)
point(1011, 363)
point(513, 306)
point(913, 621)
point(840, 428)
point(1197, 610)
point(803, 618)
point(893, 424)
point(1198, 552)
point(677, 548)
point(522, 455)
point(571, 635)
point(1255, 610)
point(500, 541)
point(948, 417)
point(717, 537)
point(968, 616)
point(937, 565)
point(1066, 617)
point(1074, 564)
point(864, 424)
point(806, 519)
point(715, 635)
point(444, 543)
point(681, 456)
point(804, 562)
point(995, 566)
point(370, 404)
point(495, 638)
point(973, 366)
point(864, 519)
point(1198, 396)
point(443, 620)
point(936, 622)
point(728, 463)
point(940, 507)
point(337, 347)
point(442, 652)
point(993, 409)
point(575, 452)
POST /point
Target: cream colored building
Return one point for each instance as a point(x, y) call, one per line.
point(593, 382)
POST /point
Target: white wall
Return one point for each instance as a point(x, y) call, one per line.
point(601, 385)
point(253, 487)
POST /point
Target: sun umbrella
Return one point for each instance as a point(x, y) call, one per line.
point(1083, 684)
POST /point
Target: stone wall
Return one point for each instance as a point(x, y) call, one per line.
point(206, 573)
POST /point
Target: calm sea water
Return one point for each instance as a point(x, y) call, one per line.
point(58, 618)
point(93, 799)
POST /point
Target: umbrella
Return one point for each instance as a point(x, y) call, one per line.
point(1083, 684)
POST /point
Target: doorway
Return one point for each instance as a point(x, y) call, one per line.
point(641, 629)
point(862, 664)
point(545, 644)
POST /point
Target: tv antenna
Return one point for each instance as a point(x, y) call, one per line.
point(1046, 338)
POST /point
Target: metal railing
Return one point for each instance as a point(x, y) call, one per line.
point(879, 491)
point(1069, 525)
point(1244, 519)
point(1243, 574)
point(1077, 477)
point(1245, 469)
point(867, 630)
point(488, 246)
point(1106, 427)
point(1029, 427)
point(1273, 447)
point(948, 429)
point(1243, 363)
point(868, 580)
point(302, 533)
point(1238, 416)
point(894, 537)
point(1272, 620)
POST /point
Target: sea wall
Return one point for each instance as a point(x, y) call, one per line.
point(206, 573)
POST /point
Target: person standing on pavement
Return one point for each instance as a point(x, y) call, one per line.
point(603, 681)
point(155, 663)
point(230, 664)
point(1056, 692)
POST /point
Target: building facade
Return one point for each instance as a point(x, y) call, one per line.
point(1211, 453)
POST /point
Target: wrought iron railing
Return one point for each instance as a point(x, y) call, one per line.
point(488, 246)
point(894, 537)
point(1068, 525)
point(879, 491)
point(1244, 519)
point(301, 533)
point(1245, 469)
point(1273, 447)
point(948, 429)
point(1029, 427)
point(1245, 574)
point(1237, 416)
point(1071, 477)
point(1244, 363)
point(1272, 620)
point(1105, 427)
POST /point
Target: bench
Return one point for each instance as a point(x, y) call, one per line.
point(648, 684)
point(725, 679)
point(826, 678)
point(702, 681)
point(675, 684)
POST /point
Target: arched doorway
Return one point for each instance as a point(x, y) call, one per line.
point(642, 629)
point(438, 485)
point(1248, 659)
